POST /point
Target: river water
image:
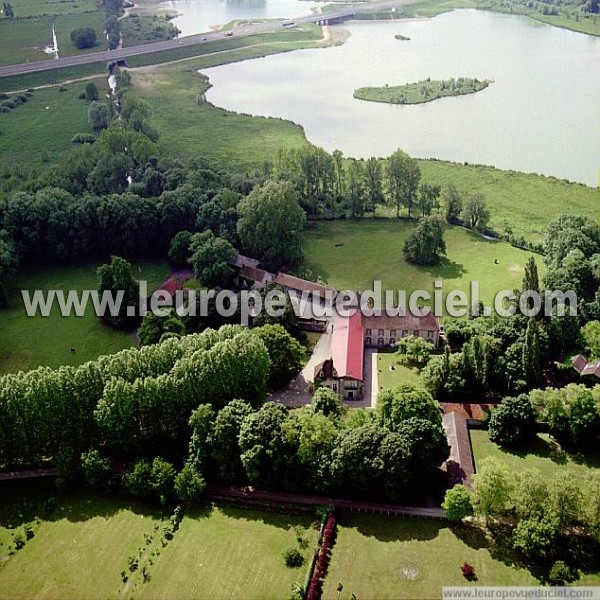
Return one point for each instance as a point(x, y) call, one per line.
point(199, 16)
point(541, 114)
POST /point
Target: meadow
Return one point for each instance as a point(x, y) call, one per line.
point(29, 342)
point(24, 39)
point(40, 131)
point(351, 255)
point(390, 557)
point(82, 547)
point(545, 455)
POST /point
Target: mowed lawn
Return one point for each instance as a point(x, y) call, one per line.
point(351, 255)
point(545, 455)
point(234, 553)
point(79, 552)
point(81, 549)
point(42, 129)
point(391, 373)
point(391, 557)
point(29, 342)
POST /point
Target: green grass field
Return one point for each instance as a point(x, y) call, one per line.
point(26, 343)
point(189, 125)
point(351, 255)
point(520, 202)
point(392, 557)
point(23, 40)
point(391, 373)
point(80, 550)
point(37, 8)
point(41, 130)
point(545, 455)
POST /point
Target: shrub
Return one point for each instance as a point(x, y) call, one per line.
point(457, 503)
point(189, 485)
point(96, 469)
point(4, 96)
point(4, 109)
point(10, 103)
point(83, 138)
point(468, 571)
point(19, 541)
point(85, 37)
point(561, 574)
point(293, 559)
point(62, 88)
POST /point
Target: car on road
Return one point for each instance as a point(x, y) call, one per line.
point(228, 33)
point(205, 39)
point(287, 23)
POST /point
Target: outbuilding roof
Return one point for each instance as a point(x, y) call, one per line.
point(347, 349)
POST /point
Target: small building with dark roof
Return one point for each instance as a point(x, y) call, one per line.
point(586, 368)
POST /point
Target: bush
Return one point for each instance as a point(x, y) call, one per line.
point(96, 469)
point(457, 503)
point(83, 138)
point(561, 574)
point(468, 571)
point(85, 37)
point(189, 486)
point(4, 109)
point(413, 351)
point(91, 92)
point(293, 559)
point(62, 88)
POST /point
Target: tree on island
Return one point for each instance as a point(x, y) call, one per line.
point(426, 243)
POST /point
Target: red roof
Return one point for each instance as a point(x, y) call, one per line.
point(259, 275)
point(583, 367)
point(170, 286)
point(579, 362)
point(347, 348)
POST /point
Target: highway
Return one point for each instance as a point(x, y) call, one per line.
point(191, 40)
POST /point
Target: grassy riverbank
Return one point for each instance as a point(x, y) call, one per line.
point(421, 91)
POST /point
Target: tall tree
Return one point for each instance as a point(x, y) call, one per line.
point(210, 259)
point(271, 225)
point(427, 198)
point(116, 279)
point(532, 355)
point(475, 213)
point(403, 176)
point(426, 243)
point(453, 203)
point(373, 184)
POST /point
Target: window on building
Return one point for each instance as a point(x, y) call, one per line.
point(392, 341)
point(393, 333)
point(416, 333)
point(350, 395)
point(404, 332)
point(380, 341)
point(368, 332)
point(334, 387)
point(430, 334)
point(368, 341)
point(380, 333)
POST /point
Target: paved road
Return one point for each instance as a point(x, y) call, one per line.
point(191, 40)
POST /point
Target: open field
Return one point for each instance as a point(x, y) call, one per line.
point(23, 40)
point(41, 130)
point(525, 203)
point(351, 255)
point(37, 8)
point(392, 373)
point(26, 343)
point(545, 455)
point(190, 125)
point(390, 557)
point(81, 548)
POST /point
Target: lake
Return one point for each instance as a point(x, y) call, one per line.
point(198, 16)
point(541, 114)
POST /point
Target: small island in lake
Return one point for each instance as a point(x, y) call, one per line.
point(421, 91)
